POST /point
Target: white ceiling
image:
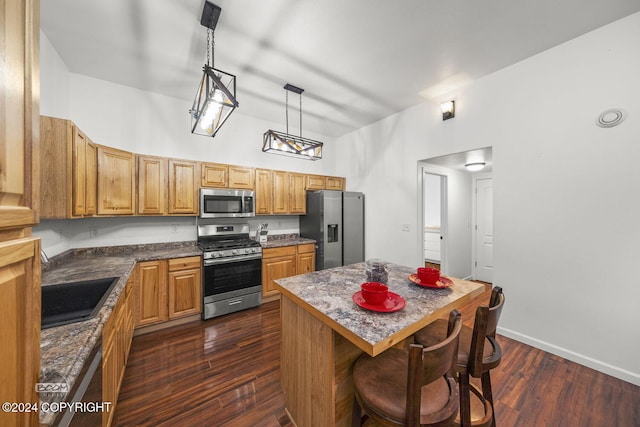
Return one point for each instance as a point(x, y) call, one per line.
point(358, 60)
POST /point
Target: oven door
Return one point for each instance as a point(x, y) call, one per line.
point(224, 279)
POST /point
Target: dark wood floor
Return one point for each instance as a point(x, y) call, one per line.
point(226, 372)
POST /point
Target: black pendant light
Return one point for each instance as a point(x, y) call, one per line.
point(215, 99)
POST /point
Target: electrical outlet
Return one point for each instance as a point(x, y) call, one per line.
point(174, 228)
point(93, 232)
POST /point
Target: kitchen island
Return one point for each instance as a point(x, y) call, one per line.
point(324, 331)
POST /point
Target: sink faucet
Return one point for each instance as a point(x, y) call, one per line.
point(43, 256)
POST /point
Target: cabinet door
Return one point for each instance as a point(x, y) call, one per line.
point(91, 179)
point(20, 331)
point(116, 182)
point(240, 177)
point(264, 191)
point(183, 187)
point(151, 292)
point(306, 260)
point(109, 380)
point(297, 193)
point(152, 185)
point(185, 293)
point(280, 192)
point(316, 182)
point(277, 267)
point(79, 171)
point(335, 183)
point(19, 117)
point(215, 175)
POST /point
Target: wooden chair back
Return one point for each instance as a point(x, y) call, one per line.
point(484, 327)
point(426, 365)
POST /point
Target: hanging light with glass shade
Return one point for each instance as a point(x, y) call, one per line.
point(291, 145)
point(215, 99)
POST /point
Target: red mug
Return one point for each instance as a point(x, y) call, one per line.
point(428, 275)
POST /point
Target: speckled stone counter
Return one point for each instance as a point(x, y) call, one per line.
point(324, 331)
point(287, 240)
point(65, 349)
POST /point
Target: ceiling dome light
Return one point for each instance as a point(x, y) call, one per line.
point(611, 118)
point(475, 167)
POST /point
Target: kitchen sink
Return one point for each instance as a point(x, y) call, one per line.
point(74, 301)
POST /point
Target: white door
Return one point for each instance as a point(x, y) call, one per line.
point(484, 230)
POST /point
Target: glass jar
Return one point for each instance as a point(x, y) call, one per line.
point(376, 271)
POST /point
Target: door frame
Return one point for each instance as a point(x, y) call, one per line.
point(474, 220)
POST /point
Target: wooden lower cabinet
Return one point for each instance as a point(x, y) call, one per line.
point(151, 293)
point(185, 287)
point(116, 343)
point(285, 261)
point(20, 330)
point(168, 289)
point(306, 258)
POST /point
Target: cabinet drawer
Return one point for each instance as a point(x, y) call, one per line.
point(306, 248)
point(184, 263)
point(275, 252)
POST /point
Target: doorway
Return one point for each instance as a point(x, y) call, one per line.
point(465, 222)
point(434, 190)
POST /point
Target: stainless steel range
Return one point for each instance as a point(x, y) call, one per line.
point(232, 265)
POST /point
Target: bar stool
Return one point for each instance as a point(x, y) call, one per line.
point(478, 353)
point(417, 388)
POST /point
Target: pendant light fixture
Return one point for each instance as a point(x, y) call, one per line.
point(215, 99)
point(290, 145)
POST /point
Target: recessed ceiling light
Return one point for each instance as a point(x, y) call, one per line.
point(611, 118)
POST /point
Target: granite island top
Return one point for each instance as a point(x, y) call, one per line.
point(65, 349)
point(327, 295)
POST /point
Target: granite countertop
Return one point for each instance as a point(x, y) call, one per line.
point(65, 349)
point(287, 240)
point(327, 294)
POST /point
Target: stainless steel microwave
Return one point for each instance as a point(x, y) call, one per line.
point(220, 203)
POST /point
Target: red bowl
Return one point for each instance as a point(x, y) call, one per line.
point(428, 274)
point(374, 293)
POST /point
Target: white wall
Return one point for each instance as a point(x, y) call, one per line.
point(150, 123)
point(431, 187)
point(567, 193)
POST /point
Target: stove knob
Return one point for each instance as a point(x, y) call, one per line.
point(234, 252)
point(216, 255)
point(255, 250)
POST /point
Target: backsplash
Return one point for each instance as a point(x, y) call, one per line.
point(60, 235)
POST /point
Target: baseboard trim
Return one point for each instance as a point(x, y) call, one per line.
point(614, 371)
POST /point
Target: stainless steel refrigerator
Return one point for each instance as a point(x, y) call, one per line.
point(335, 220)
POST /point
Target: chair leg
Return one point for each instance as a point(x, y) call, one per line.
point(488, 394)
point(465, 400)
point(356, 414)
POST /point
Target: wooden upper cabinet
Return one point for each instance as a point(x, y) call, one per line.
point(227, 176)
point(280, 192)
point(264, 191)
point(68, 170)
point(152, 185)
point(116, 181)
point(335, 183)
point(19, 80)
point(316, 182)
point(241, 177)
point(183, 187)
point(215, 175)
point(297, 193)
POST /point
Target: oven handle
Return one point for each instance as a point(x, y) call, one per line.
point(207, 262)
